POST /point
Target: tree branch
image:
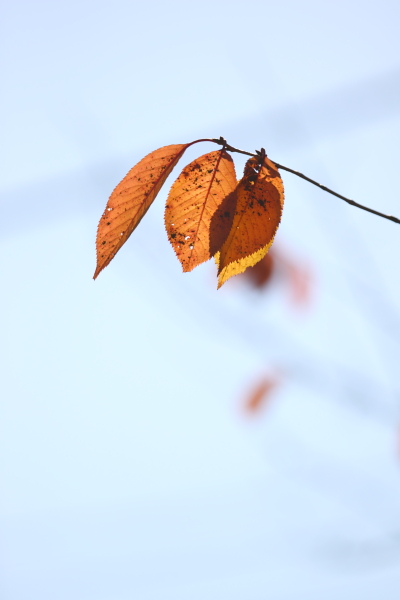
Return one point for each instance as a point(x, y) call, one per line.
point(224, 143)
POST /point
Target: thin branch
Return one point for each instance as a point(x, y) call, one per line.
point(223, 142)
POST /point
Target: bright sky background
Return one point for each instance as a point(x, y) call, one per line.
point(128, 468)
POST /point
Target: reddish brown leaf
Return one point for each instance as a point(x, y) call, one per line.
point(257, 217)
point(131, 199)
point(202, 195)
point(260, 274)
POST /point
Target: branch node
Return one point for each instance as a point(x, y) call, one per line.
point(260, 154)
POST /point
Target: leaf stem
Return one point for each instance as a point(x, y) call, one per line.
point(229, 148)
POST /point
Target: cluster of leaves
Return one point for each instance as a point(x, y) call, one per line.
point(208, 212)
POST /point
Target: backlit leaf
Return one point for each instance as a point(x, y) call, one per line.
point(200, 208)
point(131, 199)
point(257, 217)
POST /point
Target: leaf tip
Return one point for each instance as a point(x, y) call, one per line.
point(99, 268)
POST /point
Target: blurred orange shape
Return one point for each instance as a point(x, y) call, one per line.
point(260, 395)
point(299, 282)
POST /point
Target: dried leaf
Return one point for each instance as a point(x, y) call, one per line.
point(131, 199)
point(258, 214)
point(200, 207)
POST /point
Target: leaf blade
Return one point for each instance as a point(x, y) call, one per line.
point(197, 215)
point(131, 199)
point(258, 213)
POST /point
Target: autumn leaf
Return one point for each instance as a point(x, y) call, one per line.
point(131, 199)
point(202, 191)
point(260, 274)
point(260, 394)
point(257, 217)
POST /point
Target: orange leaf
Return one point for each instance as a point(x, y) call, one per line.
point(131, 199)
point(260, 394)
point(200, 208)
point(258, 214)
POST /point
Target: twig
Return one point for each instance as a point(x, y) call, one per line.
point(223, 142)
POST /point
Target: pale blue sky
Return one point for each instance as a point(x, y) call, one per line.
point(128, 470)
